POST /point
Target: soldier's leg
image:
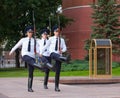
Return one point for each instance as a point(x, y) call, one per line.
point(46, 78)
point(46, 74)
point(31, 61)
point(57, 75)
point(58, 57)
point(46, 62)
point(55, 56)
point(30, 77)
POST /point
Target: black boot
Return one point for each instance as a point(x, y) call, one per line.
point(39, 66)
point(45, 87)
point(63, 58)
point(49, 66)
point(68, 56)
point(57, 84)
point(46, 79)
point(30, 80)
point(57, 89)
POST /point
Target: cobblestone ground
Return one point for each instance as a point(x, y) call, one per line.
point(17, 88)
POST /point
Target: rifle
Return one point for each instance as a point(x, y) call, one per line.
point(50, 25)
point(34, 26)
point(34, 32)
point(37, 60)
point(66, 54)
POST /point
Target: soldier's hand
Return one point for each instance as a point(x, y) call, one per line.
point(60, 52)
point(40, 55)
point(10, 53)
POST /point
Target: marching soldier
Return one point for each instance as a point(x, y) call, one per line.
point(44, 40)
point(28, 53)
point(57, 46)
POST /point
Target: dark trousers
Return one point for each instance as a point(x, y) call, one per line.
point(46, 70)
point(56, 56)
point(30, 61)
point(44, 59)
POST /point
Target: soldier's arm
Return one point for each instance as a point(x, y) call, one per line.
point(16, 46)
point(63, 48)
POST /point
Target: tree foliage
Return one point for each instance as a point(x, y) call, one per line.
point(106, 23)
point(15, 15)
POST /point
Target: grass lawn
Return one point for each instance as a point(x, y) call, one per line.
point(23, 72)
point(75, 68)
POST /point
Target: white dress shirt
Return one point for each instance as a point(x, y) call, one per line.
point(42, 50)
point(24, 43)
point(52, 43)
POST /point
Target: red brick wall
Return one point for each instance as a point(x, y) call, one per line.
point(72, 3)
point(78, 31)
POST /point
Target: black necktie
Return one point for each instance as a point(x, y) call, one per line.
point(44, 42)
point(29, 44)
point(56, 45)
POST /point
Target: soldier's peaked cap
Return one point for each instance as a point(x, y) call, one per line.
point(44, 31)
point(55, 28)
point(29, 29)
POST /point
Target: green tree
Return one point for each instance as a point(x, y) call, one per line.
point(15, 15)
point(106, 23)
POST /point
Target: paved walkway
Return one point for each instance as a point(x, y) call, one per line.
point(17, 88)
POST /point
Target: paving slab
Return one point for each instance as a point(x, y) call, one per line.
point(3, 96)
point(86, 80)
point(17, 88)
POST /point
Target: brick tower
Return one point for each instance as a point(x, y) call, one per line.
point(76, 33)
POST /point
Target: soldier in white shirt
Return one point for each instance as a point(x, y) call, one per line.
point(44, 40)
point(28, 53)
point(57, 46)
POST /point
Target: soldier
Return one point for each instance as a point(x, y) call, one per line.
point(57, 46)
point(28, 53)
point(44, 40)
